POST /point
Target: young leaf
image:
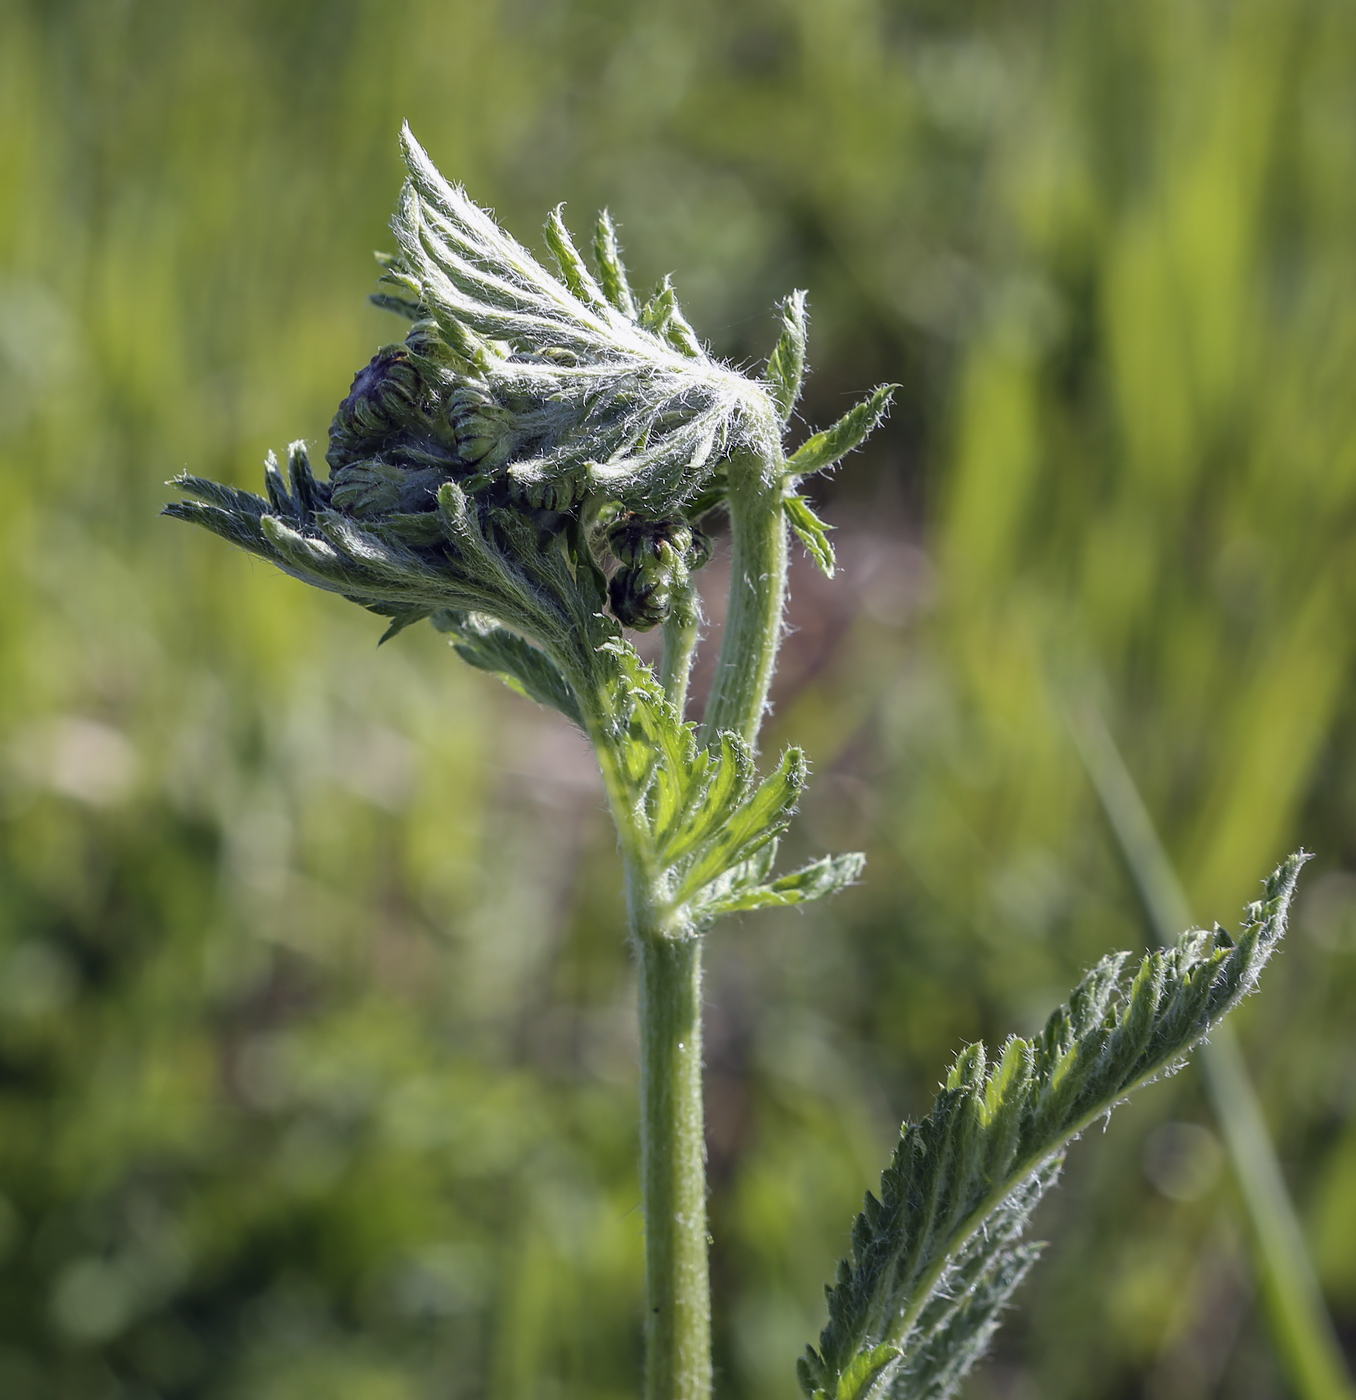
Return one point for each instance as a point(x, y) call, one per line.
point(786, 364)
point(611, 269)
point(401, 618)
point(833, 444)
point(523, 667)
point(402, 306)
point(935, 1258)
point(752, 824)
point(818, 880)
point(856, 1382)
point(663, 315)
point(812, 532)
point(574, 270)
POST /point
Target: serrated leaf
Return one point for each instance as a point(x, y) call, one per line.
point(217, 494)
point(786, 364)
point(712, 806)
point(833, 444)
point(663, 315)
point(934, 1259)
point(713, 823)
point(523, 667)
point(757, 820)
point(815, 881)
point(239, 527)
point(402, 306)
point(811, 531)
point(400, 621)
point(864, 1371)
point(308, 494)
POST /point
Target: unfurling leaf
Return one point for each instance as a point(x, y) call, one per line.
point(523, 667)
point(574, 271)
point(663, 315)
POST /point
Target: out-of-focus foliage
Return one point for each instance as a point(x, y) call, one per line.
point(316, 1058)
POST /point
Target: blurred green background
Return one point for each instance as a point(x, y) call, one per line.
point(317, 1063)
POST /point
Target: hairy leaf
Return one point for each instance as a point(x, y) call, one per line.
point(833, 444)
point(662, 315)
point(712, 821)
point(402, 306)
point(812, 532)
point(746, 886)
point(611, 269)
point(525, 668)
point(936, 1256)
point(786, 364)
point(574, 270)
point(641, 408)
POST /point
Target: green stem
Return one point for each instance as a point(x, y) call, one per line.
point(680, 642)
point(753, 624)
point(1300, 1325)
point(673, 1170)
point(672, 1129)
point(672, 1134)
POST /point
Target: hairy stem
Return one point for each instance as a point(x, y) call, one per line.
point(672, 1129)
point(672, 1137)
point(673, 1169)
point(753, 624)
point(680, 642)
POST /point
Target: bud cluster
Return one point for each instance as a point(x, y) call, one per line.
point(657, 558)
point(540, 449)
point(412, 422)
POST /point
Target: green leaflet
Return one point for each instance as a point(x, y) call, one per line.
point(834, 443)
point(936, 1256)
point(817, 880)
point(786, 364)
point(523, 667)
point(812, 532)
point(856, 1382)
point(402, 306)
point(713, 822)
point(574, 271)
point(401, 618)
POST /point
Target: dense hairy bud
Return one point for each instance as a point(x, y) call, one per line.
point(391, 411)
point(373, 489)
point(482, 428)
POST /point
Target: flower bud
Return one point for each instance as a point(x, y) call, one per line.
point(393, 415)
point(639, 542)
point(559, 493)
point(375, 488)
point(638, 600)
point(482, 428)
